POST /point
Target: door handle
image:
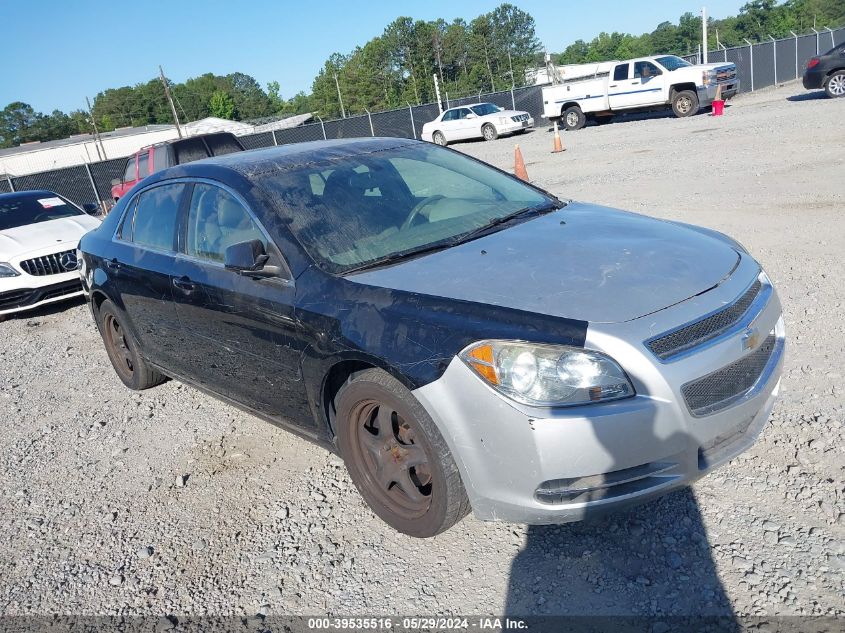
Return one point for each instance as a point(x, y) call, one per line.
point(613, 85)
point(113, 265)
point(634, 83)
point(184, 284)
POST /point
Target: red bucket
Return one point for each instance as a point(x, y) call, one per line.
point(718, 107)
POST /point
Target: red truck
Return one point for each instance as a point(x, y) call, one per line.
point(156, 157)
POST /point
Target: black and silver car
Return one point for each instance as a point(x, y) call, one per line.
point(827, 71)
point(462, 339)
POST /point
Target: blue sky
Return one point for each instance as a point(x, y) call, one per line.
point(56, 52)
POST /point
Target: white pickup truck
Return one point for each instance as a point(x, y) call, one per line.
point(599, 91)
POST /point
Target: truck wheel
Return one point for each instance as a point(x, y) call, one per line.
point(488, 131)
point(573, 118)
point(396, 457)
point(835, 85)
point(439, 139)
point(685, 103)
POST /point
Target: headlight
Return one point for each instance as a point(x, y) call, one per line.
point(547, 375)
point(6, 270)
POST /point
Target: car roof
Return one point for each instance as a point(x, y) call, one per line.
point(29, 193)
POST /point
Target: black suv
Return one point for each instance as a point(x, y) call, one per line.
point(827, 71)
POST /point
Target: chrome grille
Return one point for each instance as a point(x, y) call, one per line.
point(723, 387)
point(519, 117)
point(49, 264)
point(668, 345)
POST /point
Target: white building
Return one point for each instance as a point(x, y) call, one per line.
point(34, 157)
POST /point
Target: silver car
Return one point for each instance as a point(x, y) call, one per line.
point(464, 340)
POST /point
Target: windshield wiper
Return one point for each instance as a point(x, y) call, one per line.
point(411, 252)
point(541, 209)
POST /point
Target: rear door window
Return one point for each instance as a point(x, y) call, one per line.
point(154, 224)
point(621, 72)
point(159, 158)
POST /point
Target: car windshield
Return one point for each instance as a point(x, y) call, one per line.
point(483, 109)
point(361, 209)
point(18, 210)
point(670, 62)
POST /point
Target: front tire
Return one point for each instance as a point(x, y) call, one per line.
point(396, 457)
point(122, 350)
point(573, 118)
point(834, 86)
point(488, 131)
point(439, 139)
point(685, 103)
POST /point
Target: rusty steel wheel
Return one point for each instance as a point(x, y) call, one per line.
point(396, 457)
point(122, 351)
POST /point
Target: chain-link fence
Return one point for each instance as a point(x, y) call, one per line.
point(758, 66)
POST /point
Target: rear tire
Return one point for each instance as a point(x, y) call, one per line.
point(396, 457)
point(573, 118)
point(122, 350)
point(685, 103)
point(439, 139)
point(834, 86)
point(488, 131)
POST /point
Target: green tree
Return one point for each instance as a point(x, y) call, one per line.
point(222, 105)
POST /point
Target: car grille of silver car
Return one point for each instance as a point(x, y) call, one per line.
point(723, 387)
point(519, 117)
point(668, 345)
point(52, 264)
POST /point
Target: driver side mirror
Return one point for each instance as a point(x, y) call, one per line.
point(500, 109)
point(91, 209)
point(471, 115)
point(249, 259)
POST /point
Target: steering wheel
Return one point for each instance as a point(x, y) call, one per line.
point(38, 217)
point(422, 204)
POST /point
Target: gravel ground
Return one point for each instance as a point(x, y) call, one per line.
point(169, 502)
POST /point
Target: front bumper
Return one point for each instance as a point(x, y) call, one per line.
point(20, 299)
point(554, 465)
point(707, 94)
point(813, 79)
point(515, 126)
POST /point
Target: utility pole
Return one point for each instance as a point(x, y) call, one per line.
point(704, 34)
point(339, 98)
point(96, 131)
point(437, 92)
point(170, 99)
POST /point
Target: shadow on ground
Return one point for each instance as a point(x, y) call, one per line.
point(808, 96)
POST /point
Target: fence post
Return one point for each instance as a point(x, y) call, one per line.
point(832, 40)
point(413, 125)
point(795, 35)
point(369, 116)
point(322, 125)
point(93, 185)
point(11, 184)
point(775, 53)
point(817, 40)
point(751, 53)
point(513, 100)
point(275, 142)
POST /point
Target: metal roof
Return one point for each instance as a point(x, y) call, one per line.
point(81, 138)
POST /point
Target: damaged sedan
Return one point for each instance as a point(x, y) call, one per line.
point(463, 340)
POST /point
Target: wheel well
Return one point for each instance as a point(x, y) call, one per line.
point(568, 105)
point(835, 70)
point(97, 299)
point(681, 87)
point(335, 379)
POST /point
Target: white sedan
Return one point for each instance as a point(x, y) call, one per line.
point(39, 234)
point(477, 120)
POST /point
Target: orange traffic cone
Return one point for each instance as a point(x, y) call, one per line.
point(558, 145)
point(519, 165)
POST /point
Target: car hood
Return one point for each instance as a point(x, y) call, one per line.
point(23, 239)
point(583, 262)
